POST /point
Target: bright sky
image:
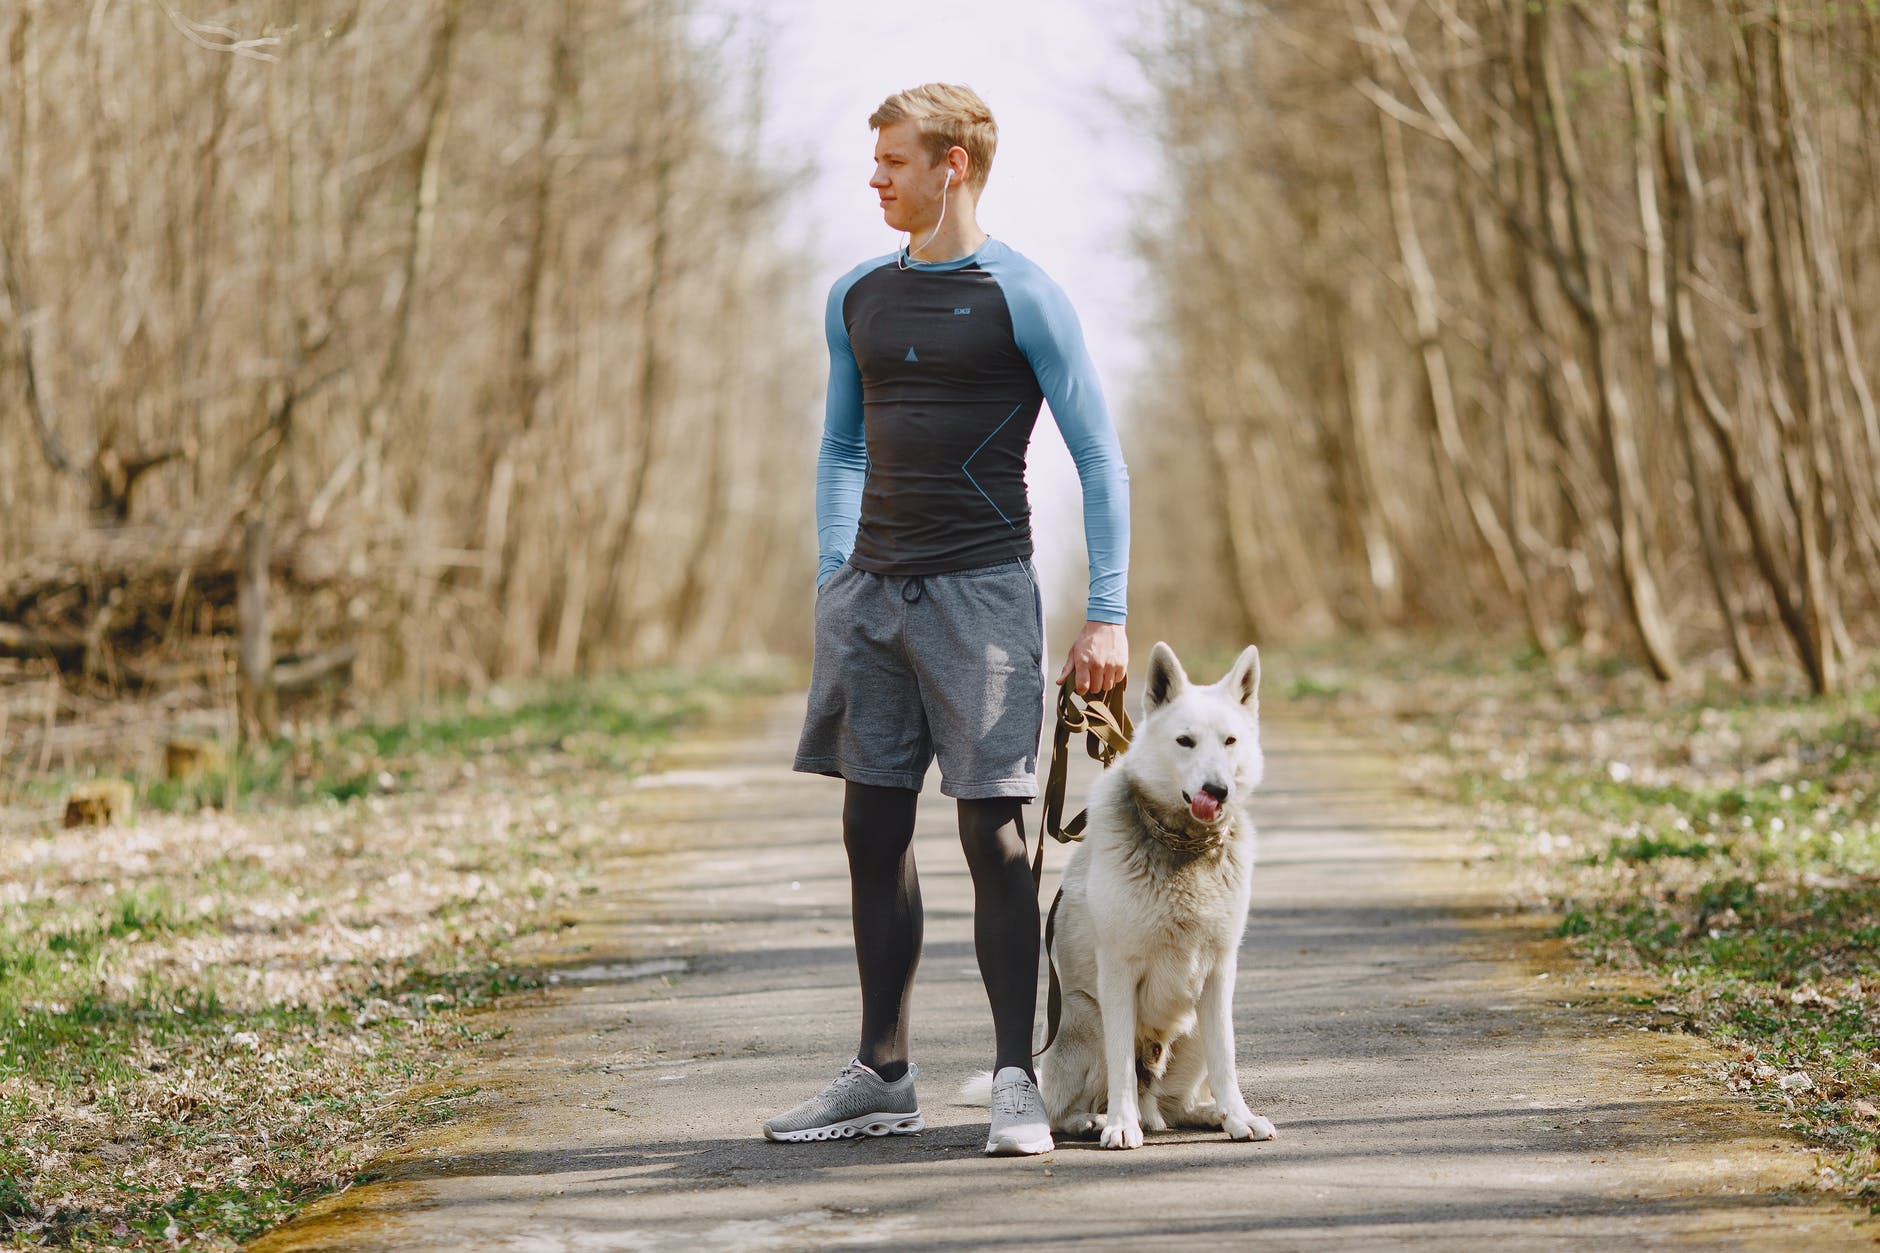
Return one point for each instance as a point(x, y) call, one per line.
point(1075, 162)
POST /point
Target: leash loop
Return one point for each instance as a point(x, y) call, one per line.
point(1107, 730)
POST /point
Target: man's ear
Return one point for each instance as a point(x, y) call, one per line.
point(1167, 679)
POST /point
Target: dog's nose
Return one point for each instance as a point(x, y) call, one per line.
point(1215, 790)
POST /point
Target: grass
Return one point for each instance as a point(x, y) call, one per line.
point(221, 1011)
point(594, 722)
point(591, 722)
point(1721, 843)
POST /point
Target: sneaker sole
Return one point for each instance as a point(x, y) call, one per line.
point(870, 1125)
point(1007, 1146)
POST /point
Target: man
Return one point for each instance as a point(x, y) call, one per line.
point(929, 624)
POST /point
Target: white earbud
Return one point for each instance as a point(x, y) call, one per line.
point(949, 181)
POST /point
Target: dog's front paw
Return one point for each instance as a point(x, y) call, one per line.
point(1248, 1127)
point(1080, 1126)
point(1121, 1135)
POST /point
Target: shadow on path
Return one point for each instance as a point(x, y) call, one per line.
point(1428, 1088)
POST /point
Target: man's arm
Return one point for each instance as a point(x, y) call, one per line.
point(842, 464)
point(1051, 339)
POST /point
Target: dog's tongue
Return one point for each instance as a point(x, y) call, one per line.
point(1204, 807)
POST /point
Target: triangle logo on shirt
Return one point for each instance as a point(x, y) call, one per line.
point(910, 356)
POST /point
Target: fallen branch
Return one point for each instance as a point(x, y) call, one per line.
point(297, 674)
point(64, 647)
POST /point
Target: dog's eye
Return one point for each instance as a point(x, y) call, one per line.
point(1228, 740)
point(1186, 741)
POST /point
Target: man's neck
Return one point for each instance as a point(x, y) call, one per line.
point(959, 236)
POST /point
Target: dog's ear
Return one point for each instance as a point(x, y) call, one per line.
point(1167, 679)
point(1243, 681)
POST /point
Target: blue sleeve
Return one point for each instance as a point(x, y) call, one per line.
point(1048, 334)
point(842, 465)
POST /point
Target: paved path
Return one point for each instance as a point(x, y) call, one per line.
point(1428, 1091)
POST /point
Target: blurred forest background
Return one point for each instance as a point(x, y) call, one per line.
point(408, 348)
point(440, 383)
point(1522, 315)
point(405, 346)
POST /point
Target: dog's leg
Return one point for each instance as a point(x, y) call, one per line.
point(1151, 1105)
point(1216, 1029)
point(1151, 1062)
point(1074, 1106)
point(1116, 992)
point(1066, 1080)
point(1070, 1118)
point(1070, 1073)
point(1182, 1086)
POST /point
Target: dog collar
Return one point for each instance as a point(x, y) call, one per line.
point(1179, 837)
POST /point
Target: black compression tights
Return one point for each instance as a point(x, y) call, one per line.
point(878, 831)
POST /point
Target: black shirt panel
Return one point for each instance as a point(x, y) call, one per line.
point(948, 405)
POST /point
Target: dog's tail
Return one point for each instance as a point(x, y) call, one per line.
point(977, 1090)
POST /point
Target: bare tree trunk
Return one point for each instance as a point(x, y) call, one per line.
point(629, 504)
point(1453, 460)
point(1684, 181)
point(1363, 528)
point(1790, 370)
point(194, 346)
point(258, 720)
point(1661, 279)
point(1242, 533)
point(1835, 443)
point(1383, 564)
point(17, 231)
point(519, 645)
point(421, 229)
point(1585, 280)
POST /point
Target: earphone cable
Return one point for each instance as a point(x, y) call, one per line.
point(908, 253)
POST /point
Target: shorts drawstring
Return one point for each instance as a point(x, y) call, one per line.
point(912, 588)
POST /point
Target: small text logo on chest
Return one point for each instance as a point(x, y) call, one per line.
point(960, 311)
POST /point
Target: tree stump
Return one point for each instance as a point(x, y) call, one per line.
point(189, 758)
point(98, 803)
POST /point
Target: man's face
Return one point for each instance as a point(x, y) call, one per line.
point(907, 180)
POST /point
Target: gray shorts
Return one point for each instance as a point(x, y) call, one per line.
point(912, 667)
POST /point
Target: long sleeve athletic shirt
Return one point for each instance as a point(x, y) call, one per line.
point(936, 374)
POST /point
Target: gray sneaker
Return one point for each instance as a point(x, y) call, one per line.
point(859, 1103)
point(1019, 1125)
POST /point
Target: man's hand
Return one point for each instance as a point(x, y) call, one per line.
point(1099, 657)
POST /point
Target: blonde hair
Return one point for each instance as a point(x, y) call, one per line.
point(945, 115)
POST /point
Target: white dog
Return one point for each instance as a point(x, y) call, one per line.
point(1149, 924)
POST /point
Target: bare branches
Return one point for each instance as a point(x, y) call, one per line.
point(44, 427)
point(357, 278)
point(1627, 376)
point(213, 38)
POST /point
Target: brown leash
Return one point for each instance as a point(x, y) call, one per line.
point(1107, 729)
